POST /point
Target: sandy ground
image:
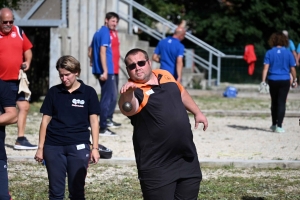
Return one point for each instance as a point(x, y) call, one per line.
point(230, 137)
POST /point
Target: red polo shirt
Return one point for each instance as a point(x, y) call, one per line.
point(115, 47)
point(12, 48)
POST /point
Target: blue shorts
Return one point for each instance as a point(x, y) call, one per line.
point(14, 85)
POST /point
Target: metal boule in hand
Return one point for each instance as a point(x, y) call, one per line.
point(127, 106)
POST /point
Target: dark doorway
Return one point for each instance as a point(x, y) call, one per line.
point(38, 74)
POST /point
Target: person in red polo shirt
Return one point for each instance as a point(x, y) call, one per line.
point(15, 51)
point(115, 48)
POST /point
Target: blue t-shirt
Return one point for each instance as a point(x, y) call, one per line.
point(70, 114)
point(169, 49)
point(291, 45)
point(102, 38)
point(298, 48)
point(7, 99)
point(280, 61)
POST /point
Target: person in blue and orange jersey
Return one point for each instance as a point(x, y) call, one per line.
point(166, 156)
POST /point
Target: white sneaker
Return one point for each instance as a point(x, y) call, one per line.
point(111, 124)
point(107, 132)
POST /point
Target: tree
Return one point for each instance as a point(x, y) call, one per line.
point(13, 4)
point(232, 24)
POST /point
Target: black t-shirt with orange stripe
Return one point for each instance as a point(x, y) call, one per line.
point(162, 131)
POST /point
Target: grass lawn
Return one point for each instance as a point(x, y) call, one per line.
point(28, 180)
point(111, 182)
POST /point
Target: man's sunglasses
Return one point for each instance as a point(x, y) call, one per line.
point(141, 63)
point(6, 22)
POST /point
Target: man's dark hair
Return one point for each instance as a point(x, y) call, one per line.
point(135, 51)
point(110, 15)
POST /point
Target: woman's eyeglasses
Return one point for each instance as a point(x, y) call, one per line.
point(141, 63)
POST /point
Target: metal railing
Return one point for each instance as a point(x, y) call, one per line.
point(206, 64)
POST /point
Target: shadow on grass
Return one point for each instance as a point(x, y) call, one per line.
point(252, 198)
point(9, 146)
point(247, 128)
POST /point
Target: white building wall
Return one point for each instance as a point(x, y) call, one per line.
point(85, 18)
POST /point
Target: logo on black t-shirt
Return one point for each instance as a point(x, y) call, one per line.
point(78, 103)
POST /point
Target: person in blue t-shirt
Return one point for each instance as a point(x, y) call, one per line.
point(69, 110)
point(103, 68)
point(291, 46)
point(278, 64)
point(169, 53)
point(8, 115)
point(298, 52)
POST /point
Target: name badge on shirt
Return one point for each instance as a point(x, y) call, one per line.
point(149, 92)
point(80, 146)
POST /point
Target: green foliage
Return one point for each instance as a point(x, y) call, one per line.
point(166, 9)
point(29, 181)
point(13, 4)
point(231, 24)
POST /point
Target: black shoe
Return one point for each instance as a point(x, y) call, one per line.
point(24, 145)
point(107, 132)
point(110, 123)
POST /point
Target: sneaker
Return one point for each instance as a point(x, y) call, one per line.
point(273, 127)
point(107, 132)
point(110, 123)
point(24, 145)
point(279, 130)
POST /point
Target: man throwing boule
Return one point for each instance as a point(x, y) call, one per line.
point(166, 156)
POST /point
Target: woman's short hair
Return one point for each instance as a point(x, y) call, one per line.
point(69, 63)
point(278, 39)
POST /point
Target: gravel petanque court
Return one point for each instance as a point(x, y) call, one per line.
point(227, 137)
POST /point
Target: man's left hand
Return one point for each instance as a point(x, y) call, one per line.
point(25, 66)
point(200, 118)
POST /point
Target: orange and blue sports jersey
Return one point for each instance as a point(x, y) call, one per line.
point(162, 131)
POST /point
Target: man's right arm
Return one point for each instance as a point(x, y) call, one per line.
point(103, 76)
point(293, 50)
point(298, 52)
point(90, 50)
point(179, 66)
point(296, 57)
point(127, 95)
